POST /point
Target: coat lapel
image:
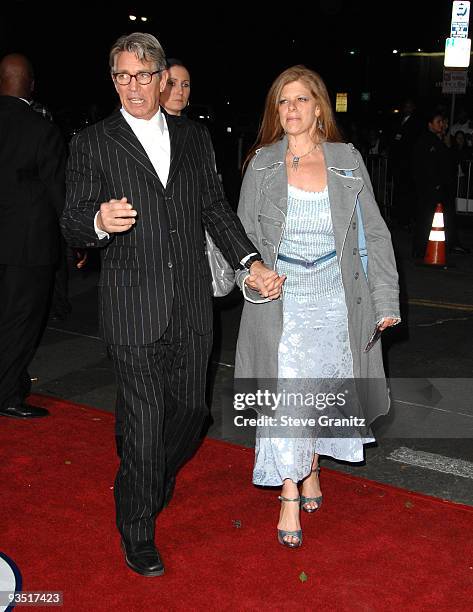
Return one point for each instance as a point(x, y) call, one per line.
point(178, 133)
point(121, 133)
point(343, 190)
point(271, 161)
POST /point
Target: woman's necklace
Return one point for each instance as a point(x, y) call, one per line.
point(297, 158)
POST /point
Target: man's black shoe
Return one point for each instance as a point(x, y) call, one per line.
point(23, 411)
point(143, 559)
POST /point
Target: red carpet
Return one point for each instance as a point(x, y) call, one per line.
point(371, 547)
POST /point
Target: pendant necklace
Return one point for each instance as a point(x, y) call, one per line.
point(296, 158)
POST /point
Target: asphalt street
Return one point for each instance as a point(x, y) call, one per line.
point(425, 444)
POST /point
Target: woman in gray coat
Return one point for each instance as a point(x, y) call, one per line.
point(298, 205)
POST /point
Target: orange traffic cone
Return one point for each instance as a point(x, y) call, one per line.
point(435, 252)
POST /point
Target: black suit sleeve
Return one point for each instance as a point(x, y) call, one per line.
point(219, 219)
point(51, 166)
point(84, 194)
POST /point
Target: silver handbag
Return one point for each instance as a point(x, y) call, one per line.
point(223, 275)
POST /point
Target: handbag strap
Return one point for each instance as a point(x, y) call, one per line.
point(362, 250)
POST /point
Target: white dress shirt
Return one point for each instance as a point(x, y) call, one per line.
point(153, 135)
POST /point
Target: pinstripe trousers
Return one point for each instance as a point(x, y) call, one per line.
point(161, 399)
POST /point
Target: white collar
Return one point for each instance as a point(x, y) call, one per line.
point(157, 119)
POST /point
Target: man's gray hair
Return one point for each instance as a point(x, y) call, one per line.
point(145, 46)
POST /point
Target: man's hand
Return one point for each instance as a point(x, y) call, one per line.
point(264, 280)
point(81, 256)
point(116, 216)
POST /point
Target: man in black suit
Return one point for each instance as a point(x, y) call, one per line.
point(142, 184)
point(434, 171)
point(32, 163)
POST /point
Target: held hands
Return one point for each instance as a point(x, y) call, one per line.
point(264, 280)
point(116, 216)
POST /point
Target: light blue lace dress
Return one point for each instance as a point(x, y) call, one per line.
point(314, 342)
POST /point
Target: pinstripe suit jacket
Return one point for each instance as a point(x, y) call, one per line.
point(166, 245)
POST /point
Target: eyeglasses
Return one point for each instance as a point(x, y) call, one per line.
point(143, 78)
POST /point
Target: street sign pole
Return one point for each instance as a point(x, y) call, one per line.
point(457, 47)
point(452, 116)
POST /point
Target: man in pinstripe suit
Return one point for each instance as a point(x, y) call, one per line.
point(141, 185)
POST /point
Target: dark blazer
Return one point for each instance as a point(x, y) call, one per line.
point(434, 170)
point(166, 246)
point(32, 189)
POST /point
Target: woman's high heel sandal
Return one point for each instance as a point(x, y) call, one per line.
point(307, 500)
point(295, 534)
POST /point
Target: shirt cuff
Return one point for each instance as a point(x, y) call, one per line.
point(100, 233)
point(246, 258)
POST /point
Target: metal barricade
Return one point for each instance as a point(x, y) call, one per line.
point(464, 194)
point(383, 185)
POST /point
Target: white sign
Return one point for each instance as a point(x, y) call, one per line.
point(454, 81)
point(461, 11)
point(460, 20)
point(459, 30)
point(457, 52)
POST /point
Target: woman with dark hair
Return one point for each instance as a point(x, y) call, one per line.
point(175, 96)
point(303, 198)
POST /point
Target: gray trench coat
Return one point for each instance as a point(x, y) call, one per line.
point(262, 210)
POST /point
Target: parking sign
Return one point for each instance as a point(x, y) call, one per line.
point(460, 20)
